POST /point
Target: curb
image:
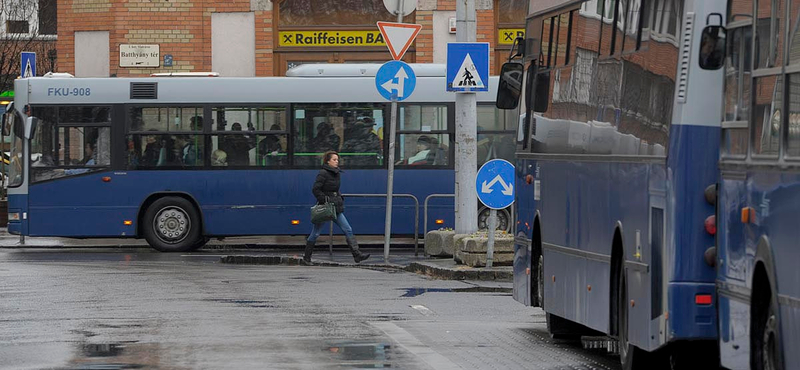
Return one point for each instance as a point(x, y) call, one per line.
point(415, 267)
point(295, 261)
point(460, 273)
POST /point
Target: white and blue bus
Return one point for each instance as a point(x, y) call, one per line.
point(617, 145)
point(177, 160)
point(757, 257)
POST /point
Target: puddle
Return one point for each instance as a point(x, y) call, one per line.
point(112, 356)
point(413, 292)
point(361, 355)
point(244, 302)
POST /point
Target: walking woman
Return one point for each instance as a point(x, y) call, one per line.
point(327, 187)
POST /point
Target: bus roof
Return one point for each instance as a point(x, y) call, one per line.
point(223, 90)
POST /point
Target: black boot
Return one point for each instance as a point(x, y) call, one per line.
point(357, 255)
point(306, 261)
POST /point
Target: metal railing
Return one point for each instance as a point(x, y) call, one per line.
point(416, 218)
point(425, 208)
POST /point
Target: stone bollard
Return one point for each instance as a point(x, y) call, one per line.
point(439, 243)
point(471, 249)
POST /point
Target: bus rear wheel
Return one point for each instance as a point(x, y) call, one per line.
point(172, 224)
point(632, 357)
point(765, 340)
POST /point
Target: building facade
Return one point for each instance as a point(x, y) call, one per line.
point(100, 38)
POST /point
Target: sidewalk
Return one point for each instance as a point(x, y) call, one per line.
point(287, 250)
point(399, 259)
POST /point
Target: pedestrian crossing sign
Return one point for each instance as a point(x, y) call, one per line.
point(468, 66)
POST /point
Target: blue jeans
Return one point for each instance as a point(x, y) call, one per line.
point(341, 221)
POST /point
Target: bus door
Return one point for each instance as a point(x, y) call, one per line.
point(14, 127)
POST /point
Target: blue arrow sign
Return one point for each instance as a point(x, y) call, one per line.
point(28, 64)
point(395, 80)
point(495, 184)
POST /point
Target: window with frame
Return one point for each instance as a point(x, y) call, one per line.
point(767, 117)
point(495, 134)
point(70, 141)
point(768, 37)
point(423, 136)
point(249, 136)
point(355, 130)
point(737, 90)
point(165, 137)
point(17, 26)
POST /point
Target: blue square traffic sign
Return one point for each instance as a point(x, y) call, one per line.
point(467, 66)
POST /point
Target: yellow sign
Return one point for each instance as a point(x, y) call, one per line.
point(331, 38)
point(506, 36)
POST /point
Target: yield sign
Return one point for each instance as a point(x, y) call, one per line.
point(398, 36)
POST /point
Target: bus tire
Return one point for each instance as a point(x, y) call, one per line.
point(503, 219)
point(202, 241)
point(561, 328)
point(630, 356)
point(172, 224)
point(765, 340)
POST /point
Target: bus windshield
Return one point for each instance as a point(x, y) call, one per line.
point(13, 121)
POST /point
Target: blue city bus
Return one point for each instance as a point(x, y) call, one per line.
point(617, 145)
point(757, 256)
point(177, 160)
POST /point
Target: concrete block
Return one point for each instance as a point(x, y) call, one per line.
point(439, 243)
point(479, 259)
point(481, 243)
point(458, 241)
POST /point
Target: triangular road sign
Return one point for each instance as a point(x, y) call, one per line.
point(28, 70)
point(398, 37)
point(468, 75)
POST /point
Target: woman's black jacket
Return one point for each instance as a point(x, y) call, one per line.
point(327, 185)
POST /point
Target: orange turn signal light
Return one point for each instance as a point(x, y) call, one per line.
point(439, 222)
point(295, 222)
point(748, 215)
point(127, 222)
point(106, 179)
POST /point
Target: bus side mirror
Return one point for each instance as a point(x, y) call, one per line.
point(712, 47)
point(510, 86)
point(541, 92)
point(30, 127)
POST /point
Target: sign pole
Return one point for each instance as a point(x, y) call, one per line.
point(466, 132)
point(490, 242)
point(387, 231)
point(390, 181)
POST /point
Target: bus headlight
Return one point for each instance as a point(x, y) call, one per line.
point(13, 216)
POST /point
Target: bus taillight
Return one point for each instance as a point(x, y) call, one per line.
point(711, 225)
point(702, 299)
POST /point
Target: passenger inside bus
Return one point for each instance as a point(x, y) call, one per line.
point(426, 152)
point(219, 158)
point(362, 145)
point(270, 148)
point(237, 147)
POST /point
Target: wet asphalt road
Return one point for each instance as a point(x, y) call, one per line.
point(134, 308)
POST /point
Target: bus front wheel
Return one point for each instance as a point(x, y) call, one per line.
point(172, 224)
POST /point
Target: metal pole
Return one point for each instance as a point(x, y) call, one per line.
point(387, 231)
point(466, 205)
point(330, 240)
point(490, 242)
